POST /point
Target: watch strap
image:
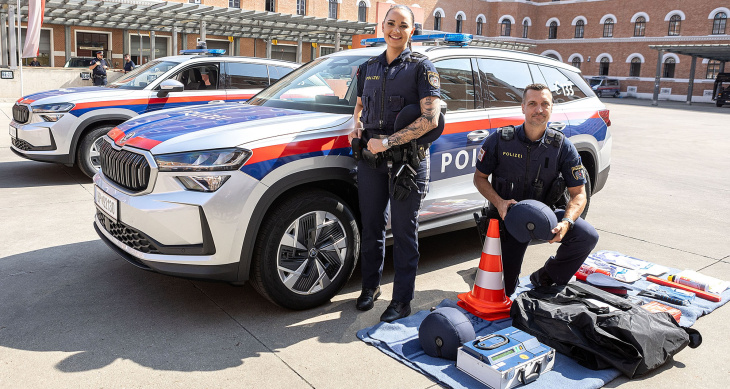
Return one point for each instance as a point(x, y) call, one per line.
point(570, 221)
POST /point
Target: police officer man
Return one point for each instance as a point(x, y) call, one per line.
point(525, 162)
point(386, 84)
point(98, 69)
point(128, 64)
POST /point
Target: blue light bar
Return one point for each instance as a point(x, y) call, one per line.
point(203, 52)
point(449, 39)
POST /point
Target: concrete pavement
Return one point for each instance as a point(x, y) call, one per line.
point(73, 314)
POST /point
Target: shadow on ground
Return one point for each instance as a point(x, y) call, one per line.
point(30, 174)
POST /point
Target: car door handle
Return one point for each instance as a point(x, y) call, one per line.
point(477, 135)
point(216, 102)
point(557, 126)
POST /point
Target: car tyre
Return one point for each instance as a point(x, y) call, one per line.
point(306, 250)
point(616, 94)
point(589, 191)
point(719, 103)
point(87, 154)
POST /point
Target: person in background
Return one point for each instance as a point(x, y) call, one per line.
point(128, 64)
point(34, 62)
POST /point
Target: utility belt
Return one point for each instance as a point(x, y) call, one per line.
point(99, 75)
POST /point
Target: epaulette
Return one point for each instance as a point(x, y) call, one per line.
point(415, 57)
point(372, 60)
point(507, 132)
point(554, 137)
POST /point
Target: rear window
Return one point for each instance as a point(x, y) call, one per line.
point(562, 87)
point(578, 82)
point(506, 80)
point(457, 83)
point(247, 75)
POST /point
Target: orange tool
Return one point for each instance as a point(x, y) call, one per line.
point(700, 293)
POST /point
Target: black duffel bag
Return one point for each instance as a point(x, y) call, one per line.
point(575, 321)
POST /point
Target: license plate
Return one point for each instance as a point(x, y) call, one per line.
point(108, 204)
point(13, 131)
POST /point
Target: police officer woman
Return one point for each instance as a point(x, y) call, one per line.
point(386, 84)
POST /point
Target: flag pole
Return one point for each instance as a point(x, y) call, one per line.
point(20, 54)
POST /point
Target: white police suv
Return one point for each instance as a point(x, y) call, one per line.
point(265, 191)
point(66, 125)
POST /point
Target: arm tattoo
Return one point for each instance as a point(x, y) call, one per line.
point(428, 120)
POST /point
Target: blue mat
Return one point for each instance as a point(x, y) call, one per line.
point(400, 341)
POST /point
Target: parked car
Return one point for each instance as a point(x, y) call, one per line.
point(605, 86)
point(721, 89)
point(67, 125)
point(264, 191)
point(79, 62)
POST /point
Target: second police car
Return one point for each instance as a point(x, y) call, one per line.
point(265, 191)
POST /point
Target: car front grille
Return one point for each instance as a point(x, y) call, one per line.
point(127, 235)
point(22, 145)
point(21, 113)
point(125, 168)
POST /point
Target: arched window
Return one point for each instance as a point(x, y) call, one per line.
point(553, 30)
point(579, 28)
point(525, 28)
point(506, 27)
point(718, 23)
point(675, 22)
point(603, 67)
point(301, 7)
point(362, 12)
point(234, 3)
point(640, 26)
point(333, 9)
point(669, 64)
point(608, 28)
point(713, 68)
point(437, 21)
point(459, 24)
point(635, 69)
point(576, 62)
point(270, 5)
point(480, 24)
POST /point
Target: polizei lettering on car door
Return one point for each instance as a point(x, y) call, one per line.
point(454, 163)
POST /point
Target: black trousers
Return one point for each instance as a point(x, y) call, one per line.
point(99, 81)
point(374, 192)
point(573, 250)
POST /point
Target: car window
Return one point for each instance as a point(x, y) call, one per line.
point(457, 83)
point(199, 77)
point(247, 75)
point(277, 72)
point(613, 82)
point(143, 75)
point(562, 88)
point(578, 82)
point(506, 81)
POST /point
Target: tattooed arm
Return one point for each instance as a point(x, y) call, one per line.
point(429, 119)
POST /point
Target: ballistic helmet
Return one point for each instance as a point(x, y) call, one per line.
point(443, 331)
point(409, 114)
point(530, 219)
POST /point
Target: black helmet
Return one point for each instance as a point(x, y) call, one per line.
point(530, 219)
point(409, 114)
point(443, 331)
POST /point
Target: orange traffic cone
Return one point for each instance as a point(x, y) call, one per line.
point(488, 300)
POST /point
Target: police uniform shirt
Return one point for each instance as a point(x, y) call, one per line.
point(569, 160)
point(400, 88)
point(99, 70)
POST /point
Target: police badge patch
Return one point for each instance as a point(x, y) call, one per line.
point(433, 79)
point(481, 155)
point(578, 172)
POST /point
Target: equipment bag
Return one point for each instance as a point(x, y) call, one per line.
point(600, 330)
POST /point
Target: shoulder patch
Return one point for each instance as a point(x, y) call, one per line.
point(578, 172)
point(481, 155)
point(433, 79)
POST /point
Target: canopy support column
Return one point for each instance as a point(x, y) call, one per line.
point(690, 86)
point(657, 79)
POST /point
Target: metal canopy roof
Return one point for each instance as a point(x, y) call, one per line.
point(162, 16)
point(718, 52)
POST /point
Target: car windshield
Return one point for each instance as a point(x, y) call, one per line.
point(324, 85)
point(596, 81)
point(144, 75)
point(78, 62)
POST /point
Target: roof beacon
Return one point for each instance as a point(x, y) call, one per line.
point(449, 39)
point(213, 52)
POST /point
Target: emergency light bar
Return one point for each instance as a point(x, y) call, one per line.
point(214, 52)
point(449, 39)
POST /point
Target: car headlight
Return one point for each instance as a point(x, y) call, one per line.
point(52, 108)
point(204, 160)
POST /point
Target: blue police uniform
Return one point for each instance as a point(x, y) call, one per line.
point(522, 169)
point(384, 90)
point(99, 72)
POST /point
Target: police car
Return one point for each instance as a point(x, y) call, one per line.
point(66, 125)
point(265, 191)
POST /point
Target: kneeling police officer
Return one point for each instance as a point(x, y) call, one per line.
point(531, 161)
point(393, 168)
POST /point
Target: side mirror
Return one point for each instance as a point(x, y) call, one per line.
point(168, 86)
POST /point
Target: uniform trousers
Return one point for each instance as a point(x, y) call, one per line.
point(574, 249)
point(374, 190)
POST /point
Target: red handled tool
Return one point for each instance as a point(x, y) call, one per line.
point(700, 293)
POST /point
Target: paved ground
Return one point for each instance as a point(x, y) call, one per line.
point(74, 314)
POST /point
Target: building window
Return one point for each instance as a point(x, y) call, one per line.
point(437, 21)
point(362, 12)
point(234, 3)
point(576, 62)
point(271, 5)
point(675, 23)
point(480, 24)
point(301, 7)
point(635, 69)
point(506, 27)
point(608, 28)
point(718, 24)
point(525, 27)
point(669, 68)
point(713, 68)
point(579, 28)
point(553, 31)
point(640, 26)
point(333, 9)
point(458, 23)
point(603, 67)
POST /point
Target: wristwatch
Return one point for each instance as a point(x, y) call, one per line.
point(386, 143)
point(570, 221)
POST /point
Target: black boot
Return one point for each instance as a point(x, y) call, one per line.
point(541, 278)
point(367, 298)
point(396, 310)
